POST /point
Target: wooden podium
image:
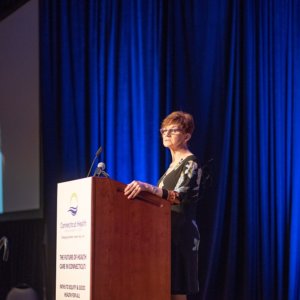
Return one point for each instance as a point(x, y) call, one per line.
point(110, 247)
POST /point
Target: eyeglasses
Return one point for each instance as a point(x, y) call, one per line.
point(171, 131)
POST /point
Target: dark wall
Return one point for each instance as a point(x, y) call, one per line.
point(26, 255)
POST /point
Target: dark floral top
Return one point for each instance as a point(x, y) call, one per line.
point(185, 180)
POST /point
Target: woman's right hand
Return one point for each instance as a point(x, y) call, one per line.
point(134, 188)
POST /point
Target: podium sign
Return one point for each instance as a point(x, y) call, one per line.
point(73, 255)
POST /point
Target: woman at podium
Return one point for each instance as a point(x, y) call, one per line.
point(179, 185)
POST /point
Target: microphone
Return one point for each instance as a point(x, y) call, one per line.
point(96, 155)
point(100, 170)
point(4, 243)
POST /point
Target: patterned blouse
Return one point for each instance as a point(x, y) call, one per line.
point(185, 180)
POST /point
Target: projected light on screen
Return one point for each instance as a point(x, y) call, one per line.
point(19, 114)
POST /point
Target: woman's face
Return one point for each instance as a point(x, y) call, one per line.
point(174, 137)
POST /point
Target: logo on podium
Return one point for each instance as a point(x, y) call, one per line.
point(73, 204)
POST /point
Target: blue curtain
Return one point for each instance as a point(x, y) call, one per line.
point(111, 70)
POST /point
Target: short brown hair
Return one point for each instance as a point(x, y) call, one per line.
point(180, 118)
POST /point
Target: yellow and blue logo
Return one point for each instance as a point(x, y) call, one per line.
point(73, 204)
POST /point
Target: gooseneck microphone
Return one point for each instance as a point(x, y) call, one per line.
point(96, 155)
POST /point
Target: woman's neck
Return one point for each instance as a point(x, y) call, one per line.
point(180, 154)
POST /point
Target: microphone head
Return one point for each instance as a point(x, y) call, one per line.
point(101, 166)
point(99, 151)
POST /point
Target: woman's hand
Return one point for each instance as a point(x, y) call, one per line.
point(134, 188)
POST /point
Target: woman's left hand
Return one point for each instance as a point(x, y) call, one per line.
point(134, 188)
